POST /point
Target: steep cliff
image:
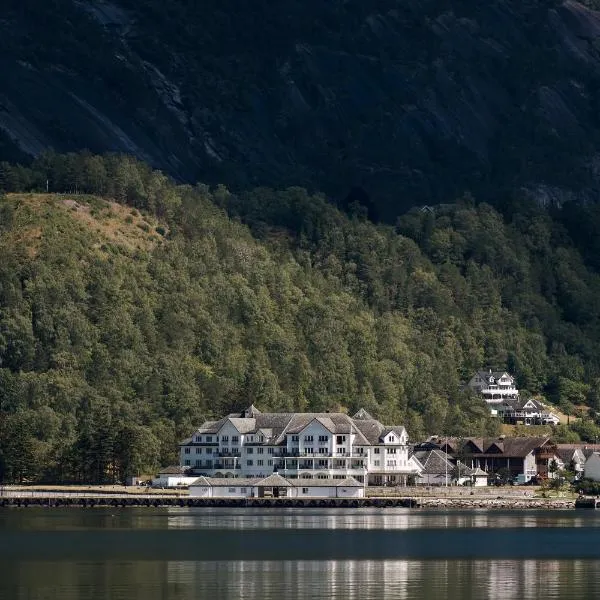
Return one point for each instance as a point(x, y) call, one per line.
point(408, 101)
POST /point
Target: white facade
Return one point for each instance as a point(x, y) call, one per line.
point(205, 487)
point(300, 445)
point(173, 481)
point(494, 386)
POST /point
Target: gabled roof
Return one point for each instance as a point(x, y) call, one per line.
point(362, 414)
point(273, 480)
point(517, 447)
point(478, 473)
point(397, 429)
point(434, 461)
point(366, 429)
point(243, 425)
point(200, 482)
point(349, 482)
point(227, 481)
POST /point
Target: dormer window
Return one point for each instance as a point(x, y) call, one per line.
point(392, 438)
point(198, 438)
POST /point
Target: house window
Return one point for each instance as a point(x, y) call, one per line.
point(308, 438)
point(270, 462)
point(376, 463)
point(305, 490)
point(249, 463)
point(187, 451)
point(392, 438)
point(295, 438)
point(209, 438)
point(234, 439)
point(250, 438)
point(270, 450)
point(308, 450)
point(231, 490)
point(198, 450)
point(242, 490)
point(260, 451)
point(225, 439)
point(259, 463)
point(199, 438)
point(323, 450)
point(261, 438)
point(375, 450)
point(198, 462)
point(250, 450)
point(322, 463)
point(187, 462)
point(323, 438)
point(209, 451)
point(391, 450)
point(341, 439)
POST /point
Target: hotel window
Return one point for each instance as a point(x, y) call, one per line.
point(305, 490)
point(225, 439)
point(235, 439)
point(198, 450)
point(187, 450)
point(375, 450)
point(260, 451)
point(209, 451)
point(261, 438)
point(198, 462)
point(323, 450)
point(323, 438)
point(322, 463)
point(308, 450)
point(391, 450)
point(231, 490)
point(308, 438)
point(199, 438)
point(270, 463)
point(187, 462)
point(295, 438)
point(249, 450)
point(249, 463)
point(270, 450)
point(341, 439)
point(242, 490)
point(259, 463)
point(209, 438)
point(376, 463)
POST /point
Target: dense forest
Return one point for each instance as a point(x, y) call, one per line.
point(132, 308)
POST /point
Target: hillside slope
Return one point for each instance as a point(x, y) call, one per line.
point(402, 102)
point(125, 324)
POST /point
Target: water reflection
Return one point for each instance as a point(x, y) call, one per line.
point(369, 518)
point(410, 580)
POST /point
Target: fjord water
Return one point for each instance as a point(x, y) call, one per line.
point(172, 554)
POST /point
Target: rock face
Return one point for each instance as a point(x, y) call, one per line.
point(411, 101)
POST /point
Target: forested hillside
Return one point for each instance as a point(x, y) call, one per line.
point(131, 309)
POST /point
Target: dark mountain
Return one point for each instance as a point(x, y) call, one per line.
point(395, 102)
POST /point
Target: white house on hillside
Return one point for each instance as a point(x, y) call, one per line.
point(253, 444)
point(494, 386)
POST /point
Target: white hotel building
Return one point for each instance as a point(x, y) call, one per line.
point(300, 445)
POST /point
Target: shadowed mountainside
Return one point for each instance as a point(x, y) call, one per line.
point(408, 102)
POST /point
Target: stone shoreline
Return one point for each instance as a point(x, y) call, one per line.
point(426, 503)
point(497, 503)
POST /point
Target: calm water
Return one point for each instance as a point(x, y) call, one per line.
point(173, 554)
